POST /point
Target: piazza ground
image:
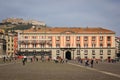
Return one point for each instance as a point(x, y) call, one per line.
point(52, 71)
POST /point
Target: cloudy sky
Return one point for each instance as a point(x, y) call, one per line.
point(70, 13)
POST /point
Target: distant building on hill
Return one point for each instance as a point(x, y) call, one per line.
point(21, 21)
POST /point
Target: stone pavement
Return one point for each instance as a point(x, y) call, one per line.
point(104, 66)
point(54, 71)
point(111, 69)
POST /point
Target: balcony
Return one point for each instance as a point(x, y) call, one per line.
point(35, 42)
point(43, 39)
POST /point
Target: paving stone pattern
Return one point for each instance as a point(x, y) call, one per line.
point(51, 71)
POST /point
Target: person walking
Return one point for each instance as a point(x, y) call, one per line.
point(86, 62)
point(24, 59)
point(4, 59)
point(92, 61)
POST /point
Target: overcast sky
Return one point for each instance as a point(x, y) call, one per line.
point(69, 13)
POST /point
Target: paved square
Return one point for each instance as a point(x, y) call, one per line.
point(50, 71)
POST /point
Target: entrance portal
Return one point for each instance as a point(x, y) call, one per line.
point(68, 55)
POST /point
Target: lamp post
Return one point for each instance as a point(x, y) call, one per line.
point(63, 53)
point(73, 53)
point(44, 42)
point(81, 53)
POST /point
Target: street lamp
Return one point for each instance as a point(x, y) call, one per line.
point(45, 40)
point(63, 53)
point(81, 53)
point(73, 53)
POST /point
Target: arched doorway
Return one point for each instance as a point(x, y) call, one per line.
point(68, 55)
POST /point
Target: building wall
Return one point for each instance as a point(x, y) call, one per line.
point(11, 44)
point(2, 44)
point(60, 45)
point(15, 39)
point(117, 43)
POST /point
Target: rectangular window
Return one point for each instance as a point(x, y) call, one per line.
point(101, 57)
point(78, 38)
point(26, 37)
point(86, 52)
point(85, 57)
point(50, 45)
point(68, 45)
point(86, 38)
point(108, 45)
point(67, 38)
point(12, 40)
point(108, 38)
point(57, 45)
point(78, 45)
point(42, 45)
point(109, 52)
point(101, 52)
point(43, 37)
point(93, 45)
point(85, 45)
point(33, 37)
point(93, 38)
point(57, 52)
point(101, 38)
point(93, 57)
point(93, 52)
point(57, 38)
point(101, 45)
point(8, 44)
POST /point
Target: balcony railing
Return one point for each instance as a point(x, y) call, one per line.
point(36, 39)
point(34, 42)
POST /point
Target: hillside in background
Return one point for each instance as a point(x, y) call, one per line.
point(9, 26)
point(19, 24)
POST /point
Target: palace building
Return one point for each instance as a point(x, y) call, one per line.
point(70, 43)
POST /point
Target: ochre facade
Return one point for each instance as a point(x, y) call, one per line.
point(70, 43)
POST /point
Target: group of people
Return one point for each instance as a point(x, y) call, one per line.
point(58, 59)
point(33, 59)
point(8, 59)
point(87, 62)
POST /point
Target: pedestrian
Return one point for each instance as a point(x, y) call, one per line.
point(42, 59)
point(36, 59)
point(92, 61)
point(86, 62)
point(4, 59)
point(81, 61)
point(31, 59)
point(96, 61)
point(24, 60)
point(66, 60)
